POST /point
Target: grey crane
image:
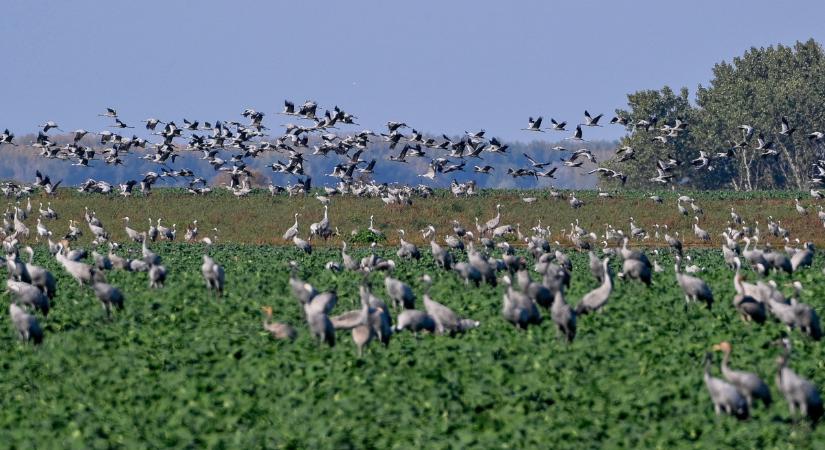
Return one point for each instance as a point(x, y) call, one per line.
point(799, 208)
point(442, 256)
point(301, 290)
point(81, 272)
point(400, 293)
point(27, 326)
point(372, 228)
point(380, 318)
point(635, 269)
point(363, 333)
point(493, 223)
point(749, 308)
point(533, 125)
point(518, 308)
point(805, 316)
point(699, 232)
point(152, 233)
point(102, 262)
point(109, 296)
point(632, 253)
point(674, 242)
point(321, 228)
point(16, 268)
point(49, 125)
point(213, 275)
point(323, 301)
point(803, 258)
point(292, 231)
point(349, 262)
point(563, 260)
point(278, 330)
point(148, 256)
point(303, 245)
point(485, 267)
point(801, 394)
point(446, 320)
point(415, 321)
point(596, 267)
point(163, 231)
point(756, 257)
point(597, 298)
point(157, 276)
point(132, 233)
point(537, 292)
point(747, 383)
point(319, 324)
point(191, 231)
point(694, 288)
point(454, 242)
point(40, 277)
point(590, 121)
point(347, 320)
point(563, 316)
point(736, 218)
point(406, 249)
point(468, 272)
point(724, 395)
point(25, 293)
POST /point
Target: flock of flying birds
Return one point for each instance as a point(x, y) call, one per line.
point(313, 136)
point(228, 145)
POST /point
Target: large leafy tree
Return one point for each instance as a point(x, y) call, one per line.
point(757, 89)
point(649, 110)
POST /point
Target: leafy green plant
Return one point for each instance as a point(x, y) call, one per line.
point(181, 368)
point(365, 236)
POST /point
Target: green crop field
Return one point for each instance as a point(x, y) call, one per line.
point(182, 368)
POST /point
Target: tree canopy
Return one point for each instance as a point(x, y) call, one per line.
point(736, 121)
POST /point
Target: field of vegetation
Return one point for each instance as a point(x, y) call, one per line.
point(181, 368)
point(261, 219)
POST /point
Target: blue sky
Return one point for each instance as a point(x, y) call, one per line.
point(441, 66)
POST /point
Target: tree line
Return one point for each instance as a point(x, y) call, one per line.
point(744, 101)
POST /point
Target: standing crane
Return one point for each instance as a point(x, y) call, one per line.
point(694, 288)
point(747, 383)
point(724, 395)
point(213, 275)
point(800, 393)
point(597, 298)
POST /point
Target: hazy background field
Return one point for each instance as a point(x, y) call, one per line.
point(261, 218)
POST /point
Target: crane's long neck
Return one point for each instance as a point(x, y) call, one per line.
point(783, 363)
point(737, 282)
point(725, 360)
point(558, 299)
point(608, 282)
point(707, 368)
